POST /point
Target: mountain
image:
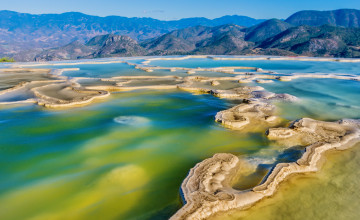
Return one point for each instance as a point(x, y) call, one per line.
point(120, 36)
point(341, 17)
point(325, 40)
point(226, 43)
point(21, 31)
point(108, 45)
point(168, 44)
point(224, 39)
point(193, 38)
point(72, 51)
point(290, 37)
point(115, 45)
point(302, 40)
point(272, 37)
point(30, 34)
point(236, 19)
point(266, 29)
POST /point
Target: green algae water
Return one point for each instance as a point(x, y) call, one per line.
point(125, 157)
point(86, 163)
point(332, 193)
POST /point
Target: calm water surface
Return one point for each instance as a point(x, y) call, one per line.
point(281, 66)
point(125, 157)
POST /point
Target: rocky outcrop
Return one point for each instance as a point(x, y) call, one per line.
point(256, 102)
point(243, 116)
point(255, 112)
point(59, 95)
point(207, 188)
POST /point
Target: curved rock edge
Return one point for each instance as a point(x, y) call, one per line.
point(241, 77)
point(206, 190)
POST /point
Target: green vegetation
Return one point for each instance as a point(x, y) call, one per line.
point(6, 59)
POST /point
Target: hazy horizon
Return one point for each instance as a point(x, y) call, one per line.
point(175, 10)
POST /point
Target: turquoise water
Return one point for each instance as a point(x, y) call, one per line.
point(122, 69)
point(119, 69)
point(97, 70)
point(282, 66)
point(324, 99)
point(63, 157)
point(125, 157)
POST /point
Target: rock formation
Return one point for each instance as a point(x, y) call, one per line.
point(207, 188)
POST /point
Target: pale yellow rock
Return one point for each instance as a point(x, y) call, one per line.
point(207, 189)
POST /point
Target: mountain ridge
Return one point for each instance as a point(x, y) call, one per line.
point(75, 35)
point(23, 31)
point(326, 40)
point(339, 17)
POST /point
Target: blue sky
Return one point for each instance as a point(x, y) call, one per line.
point(177, 9)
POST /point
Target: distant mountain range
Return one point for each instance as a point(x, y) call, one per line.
point(281, 39)
point(310, 33)
point(19, 31)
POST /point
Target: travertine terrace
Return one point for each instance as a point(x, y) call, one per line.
point(208, 187)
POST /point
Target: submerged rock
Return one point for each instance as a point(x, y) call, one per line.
point(135, 121)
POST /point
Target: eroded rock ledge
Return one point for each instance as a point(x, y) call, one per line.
point(51, 89)
point(28, 79)
point(207, 188)
point(256, 111)
point(66, 94)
